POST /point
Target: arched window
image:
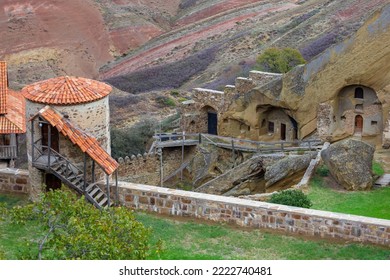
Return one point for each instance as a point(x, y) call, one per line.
point(359, 93)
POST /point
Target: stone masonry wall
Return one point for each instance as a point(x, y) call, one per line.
point(14, 181)
point(145, 169)
point(255, 214)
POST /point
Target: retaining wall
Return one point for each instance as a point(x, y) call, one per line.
point(255, 214)
point(14, 181)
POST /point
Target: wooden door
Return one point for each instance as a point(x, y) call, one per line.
point(53, 135)
point(358, 124)
point(212, 123)
point(282, 131)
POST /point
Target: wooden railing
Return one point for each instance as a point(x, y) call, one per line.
point(8, 152)
point(44, 157)
point(179, 139)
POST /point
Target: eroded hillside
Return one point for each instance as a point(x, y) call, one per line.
point(151, 45)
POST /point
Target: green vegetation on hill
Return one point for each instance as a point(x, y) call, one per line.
point(277, 60)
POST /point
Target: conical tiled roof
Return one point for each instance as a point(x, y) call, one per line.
point(66, 91)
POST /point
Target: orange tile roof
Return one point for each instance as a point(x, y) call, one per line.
point(15, 120)
point(87, 143)
point(3, 87)
point(66, 90)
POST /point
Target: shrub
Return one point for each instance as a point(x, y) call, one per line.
point(125, 142)
point(71, 228)
point(166, 101)
point(277, 60)
point(292, 198)
point(319, 45)
point(322, 170)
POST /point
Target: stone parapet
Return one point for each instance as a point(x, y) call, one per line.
point(255, 214)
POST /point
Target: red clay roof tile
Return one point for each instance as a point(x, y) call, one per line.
point(66, 90)
point(12, 106)
point(85, 142)
point(3, 87)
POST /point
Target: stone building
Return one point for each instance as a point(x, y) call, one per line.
point(12, 117)
point(356, 111)
point(68, 135)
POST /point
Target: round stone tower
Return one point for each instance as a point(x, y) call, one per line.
point(82, 106)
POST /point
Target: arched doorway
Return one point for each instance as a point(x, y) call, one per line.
point(358, 124)
point(211, 116)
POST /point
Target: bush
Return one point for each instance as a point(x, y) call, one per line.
point(319, 45)
point(71, 228)
point(166, 101)
point(277, 60)
point(292, 198)
point(132, 141)
point(322, 170)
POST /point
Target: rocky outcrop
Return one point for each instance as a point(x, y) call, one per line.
point(350, 163)
point(287, 167)
point(243, 179)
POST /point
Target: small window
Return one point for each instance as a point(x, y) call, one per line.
point(374, 123)
point(263, 122)
point(271, 127)
point(359, 93)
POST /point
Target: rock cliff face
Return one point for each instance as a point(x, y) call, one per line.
point(350, 163)
point(359, 62)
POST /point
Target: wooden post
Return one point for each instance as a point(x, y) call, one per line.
point(85, 172)
point(160, 153)
point(200, 138)
point(32, 140)
point(282, 145)
point(108, 189)
point(233, 157)
point(116, 188)
point(93, 171)
point(309, 145)
point(182, 156)
point(49, 144)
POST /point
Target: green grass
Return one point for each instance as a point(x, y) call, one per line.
point(196, 241)
point(374, 203)
point(377, 169)
point(193, 240)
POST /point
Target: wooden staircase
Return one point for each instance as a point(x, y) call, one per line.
point(56, 164)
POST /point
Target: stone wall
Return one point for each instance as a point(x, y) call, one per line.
point(14, 181)
point(194, 114)
point(255, 214)
point(145, 169)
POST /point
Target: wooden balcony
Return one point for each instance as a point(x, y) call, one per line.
point(8, 152)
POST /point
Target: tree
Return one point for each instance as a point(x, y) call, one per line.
point(71, 228)
point(277, 60)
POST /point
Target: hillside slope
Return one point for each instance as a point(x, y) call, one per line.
point(240, 30)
